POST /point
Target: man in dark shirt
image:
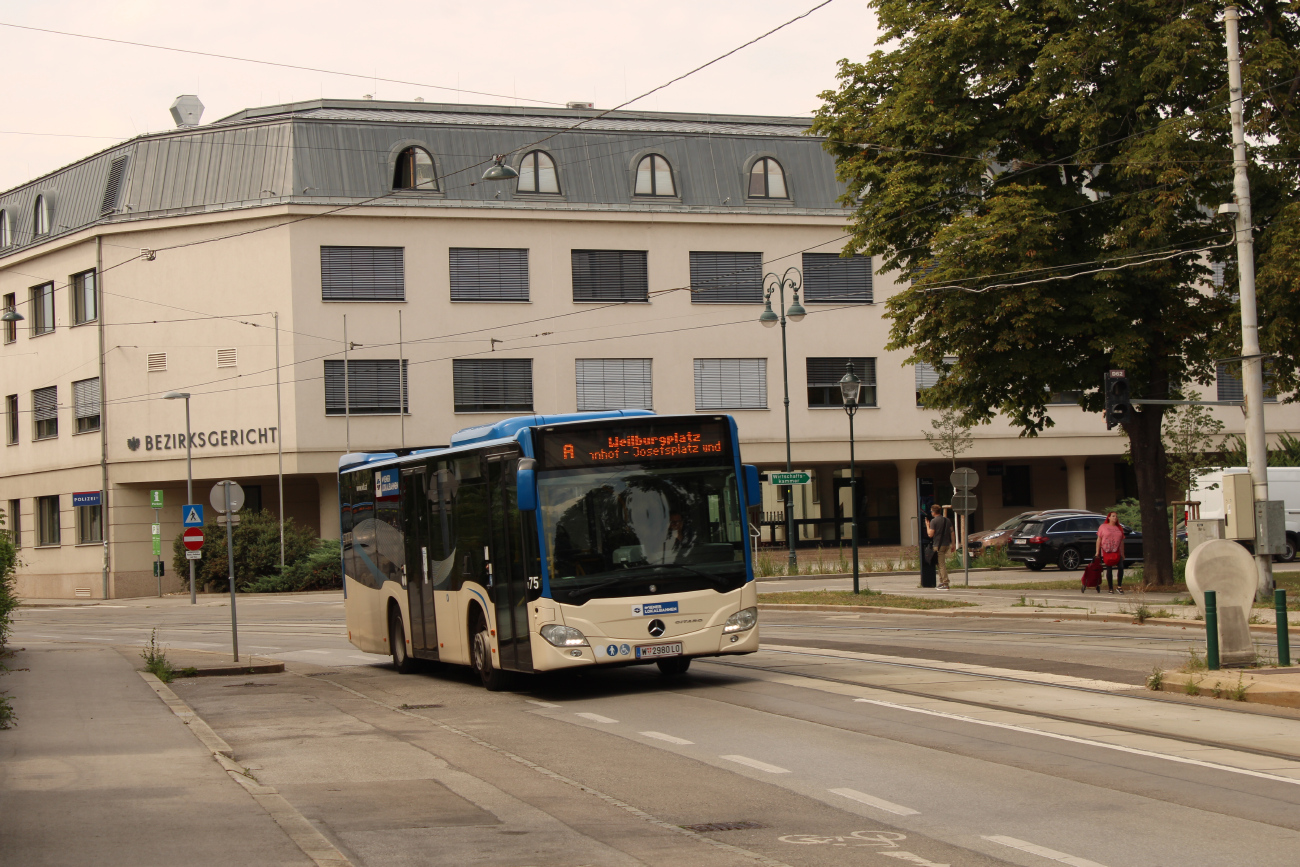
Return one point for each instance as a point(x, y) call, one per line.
point(941, 537)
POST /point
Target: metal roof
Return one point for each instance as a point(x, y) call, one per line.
point(342, 152)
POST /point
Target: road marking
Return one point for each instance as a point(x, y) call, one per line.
point(595, 717)
point(1087, 742)
point(755, 763)
point(915, 859)
point(878, 803)
point(540, 703)
point(1043, 851)
point(660, 736)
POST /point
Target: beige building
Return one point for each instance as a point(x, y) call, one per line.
point(623, 268)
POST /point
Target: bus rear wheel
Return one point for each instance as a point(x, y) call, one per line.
point(675, 666)
point(402, 660)
point(494, 679)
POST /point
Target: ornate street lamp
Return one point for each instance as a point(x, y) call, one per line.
point(189, 472)
point(769, 318)
point(851, 389)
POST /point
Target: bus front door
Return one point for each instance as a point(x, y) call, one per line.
point(508, 558)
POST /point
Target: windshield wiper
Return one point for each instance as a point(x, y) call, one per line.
point(587, 591)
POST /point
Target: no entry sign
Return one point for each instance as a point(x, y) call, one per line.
point(192, 539)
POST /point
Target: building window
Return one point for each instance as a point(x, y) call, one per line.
point(479, 274)
point(6, 235)
point(47, 521)
point(492, 385)
point(45, 412)
point(14, 523)
point(832, 279)
point(1064, 398)
point(824, 375)
point(363, 273)
point(767, 180)
point(373, 387)
point(726, 278)
point(730, 383)
point(156, 362)
point(85, 303)
point(228, 357)
point(610, 275)
point(537, 174)
point(654, 177)
point(40, 217)
point(11, 328)
point(928, 377)
point(1016, 489)
point(85, 404)
point(42, 308)
point(11, 419)
point(414, 170)
point(1230, 386)
point(614, 383)
point(113, 186)
point(90, 524)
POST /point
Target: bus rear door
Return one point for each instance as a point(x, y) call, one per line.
point(508, 562)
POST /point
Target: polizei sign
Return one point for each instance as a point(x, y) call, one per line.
point(165, 442)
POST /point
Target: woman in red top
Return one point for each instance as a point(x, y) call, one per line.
point(1110, 548)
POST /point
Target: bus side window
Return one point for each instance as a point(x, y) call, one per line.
point(471, 520)
point(442, 525)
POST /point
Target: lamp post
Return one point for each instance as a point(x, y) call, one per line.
point(850, 389)
point(189, 472)
point(795, 313)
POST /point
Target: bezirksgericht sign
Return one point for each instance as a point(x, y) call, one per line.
point(166, 442)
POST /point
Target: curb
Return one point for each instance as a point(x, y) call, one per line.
point(1046, 614)
point(1256, 691)
point(201, 730)
point(251, 668)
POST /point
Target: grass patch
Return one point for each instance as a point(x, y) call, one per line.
point(1195, 662)
point(847, 597)
point(1033, 585)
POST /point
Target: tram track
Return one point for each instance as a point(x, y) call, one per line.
point(975, 632)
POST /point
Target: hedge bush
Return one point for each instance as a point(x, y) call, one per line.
point(8, 563)
point(256, 543)
point(320, 570)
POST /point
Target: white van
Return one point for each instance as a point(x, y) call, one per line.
point(1283, 484)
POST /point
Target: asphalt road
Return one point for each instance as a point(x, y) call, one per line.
point(848, 739)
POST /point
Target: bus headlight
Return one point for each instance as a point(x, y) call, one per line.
point(562, 636)
point(742, 620)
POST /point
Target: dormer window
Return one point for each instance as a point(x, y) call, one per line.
point(5, 240)
point(40, 217)
point(654, 177)
point(414, 170)
point(537, 174)
point(767, 180)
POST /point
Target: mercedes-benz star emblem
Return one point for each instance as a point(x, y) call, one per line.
point(653, 589)
point(656, 628)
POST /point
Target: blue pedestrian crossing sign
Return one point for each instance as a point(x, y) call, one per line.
point(192, 514)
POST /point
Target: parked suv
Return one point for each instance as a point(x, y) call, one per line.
point(1002, 533)
point(1069, 541)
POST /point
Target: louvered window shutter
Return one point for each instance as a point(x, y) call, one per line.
point(614, 383)
point(730, 383)
point(831, 279)
point(824, 375)
point(372, 387)
point(492, 385)
point(113, 187)
point(1230, 386)
point(489, 274)
point(726, 278)
point(926, 376)
point(610, 275)
point(363, 274)
point(45, 403)
point(85, 398)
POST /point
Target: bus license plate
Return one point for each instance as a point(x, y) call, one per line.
point(649, 651)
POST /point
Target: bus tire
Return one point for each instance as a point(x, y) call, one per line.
point(494, 679)
point(402, 661)
point(675, 666)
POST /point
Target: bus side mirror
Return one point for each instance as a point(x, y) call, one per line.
point(753, 491)
point(526, 484)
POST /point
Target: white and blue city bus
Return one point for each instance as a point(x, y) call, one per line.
point(548, 542)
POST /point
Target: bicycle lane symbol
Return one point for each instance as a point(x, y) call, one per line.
point(857, 839)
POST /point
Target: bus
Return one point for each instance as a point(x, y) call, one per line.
point(553, 542)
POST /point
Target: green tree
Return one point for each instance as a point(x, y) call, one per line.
point(1012, 150)
point(951, 436)
point(1191, 434)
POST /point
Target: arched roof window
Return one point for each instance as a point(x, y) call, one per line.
point(537, 174)
point(40, 217)
point(767, 180)
point(414, 170)
point(654, 177)
point(4, 229)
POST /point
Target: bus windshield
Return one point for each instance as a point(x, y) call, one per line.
point(634, 529)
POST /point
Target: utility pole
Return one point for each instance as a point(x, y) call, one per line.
point(1252, 365)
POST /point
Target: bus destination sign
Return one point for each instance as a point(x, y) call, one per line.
point(644, 443)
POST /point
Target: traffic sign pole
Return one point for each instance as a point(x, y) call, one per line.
point(963, 503)
point(230, 562)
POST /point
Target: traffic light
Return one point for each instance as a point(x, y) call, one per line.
point(1119, 408)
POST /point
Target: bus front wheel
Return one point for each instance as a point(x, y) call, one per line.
point(494, 679)
point(674, 666)
point(402, 660)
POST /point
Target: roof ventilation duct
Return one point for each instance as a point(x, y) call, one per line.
point(582, 105)
point(186, 111)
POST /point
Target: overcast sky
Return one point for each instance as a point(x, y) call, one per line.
point(604, 51)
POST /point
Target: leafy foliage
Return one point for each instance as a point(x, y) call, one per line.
point(1190, 441)
point(256, 543)
point(320, 570)
point(8, 563)
point(951, 436)
point(1287, 453)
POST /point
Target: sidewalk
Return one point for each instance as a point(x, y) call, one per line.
point(99, 771)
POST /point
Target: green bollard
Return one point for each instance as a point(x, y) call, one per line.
point(1283, 630)
point(1211, 630)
